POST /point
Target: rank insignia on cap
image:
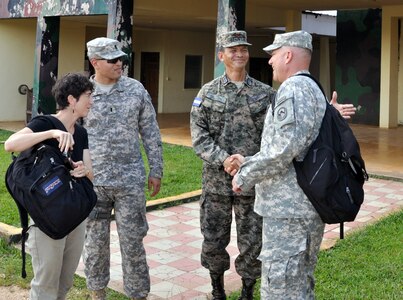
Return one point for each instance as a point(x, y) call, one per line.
point(197, 102)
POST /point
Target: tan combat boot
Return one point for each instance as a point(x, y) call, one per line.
point(98, 295)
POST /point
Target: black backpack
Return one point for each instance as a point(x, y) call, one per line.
point(40, 183)
point(332, 173)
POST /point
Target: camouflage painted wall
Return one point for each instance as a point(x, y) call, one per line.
point(35, 8)
point(231, 16)
point(358, 63)
point(48, 15)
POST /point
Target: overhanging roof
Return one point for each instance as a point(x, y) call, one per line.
point(196, 14)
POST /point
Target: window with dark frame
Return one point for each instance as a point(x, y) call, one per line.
point(193, 71)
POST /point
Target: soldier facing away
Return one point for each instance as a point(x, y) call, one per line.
point(292, 229)
point(227, 119)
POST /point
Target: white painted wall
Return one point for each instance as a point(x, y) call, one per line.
point(173, 47)
point(17, 49)
point(71, 47)
point(321, 24)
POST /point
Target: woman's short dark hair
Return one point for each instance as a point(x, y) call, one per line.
point(73, 84)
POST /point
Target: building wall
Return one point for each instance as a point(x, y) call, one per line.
point(173, 46)
point(71, 47)
point(358, 62)
point(17, 48)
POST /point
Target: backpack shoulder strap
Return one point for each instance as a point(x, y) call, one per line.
point(24, 223)
point(314, 79)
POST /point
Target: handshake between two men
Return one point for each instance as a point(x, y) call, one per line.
point(231, 166)
point(234, 162)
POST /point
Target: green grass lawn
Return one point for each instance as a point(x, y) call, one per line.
point(182, 173)
point(366, 265)
point(10, 274)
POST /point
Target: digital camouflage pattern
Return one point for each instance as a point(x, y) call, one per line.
point(233, 38)
point(289, 130)
point(216, 218)
point(292, 228)
point(300, 38)
point(114, 125)
point(227, 120)
point(105, 48)
point(290, 248)
point(130, 216)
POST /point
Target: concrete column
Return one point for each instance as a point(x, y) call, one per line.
point(120, 27)
point(389, 72)
point(293, 20)
point(46, 64)
point(324, 65)
point(231, 16)
point(400, 78)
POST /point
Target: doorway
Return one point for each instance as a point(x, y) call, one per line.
point(149, 76)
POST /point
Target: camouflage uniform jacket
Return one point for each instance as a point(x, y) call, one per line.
point(114, 124)
point(226, 120)
point(289, 129)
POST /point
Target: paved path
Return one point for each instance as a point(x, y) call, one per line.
point(174, 241)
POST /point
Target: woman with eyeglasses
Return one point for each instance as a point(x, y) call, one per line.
point(54, 262)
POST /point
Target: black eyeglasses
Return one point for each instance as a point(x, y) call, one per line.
point(114, 60)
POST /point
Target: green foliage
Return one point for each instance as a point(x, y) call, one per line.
point(10, 274)
point(8, 209)
point(182, 173)
point(10, 266)
point(367, 264)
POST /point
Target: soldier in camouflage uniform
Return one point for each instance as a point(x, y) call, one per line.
point(292, 229)
point(227, 118)
point(122, 111)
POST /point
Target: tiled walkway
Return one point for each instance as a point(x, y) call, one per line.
point(174, 241)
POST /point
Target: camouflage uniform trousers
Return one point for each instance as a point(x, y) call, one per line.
point(289, 256)
point(132, 227)
point(215, 222)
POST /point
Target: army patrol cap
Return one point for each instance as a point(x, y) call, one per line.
point(233, 38)
point(300, 39)
point(104, 48)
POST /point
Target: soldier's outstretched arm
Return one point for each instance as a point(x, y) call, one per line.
point(346, 110)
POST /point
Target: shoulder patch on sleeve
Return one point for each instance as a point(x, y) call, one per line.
point(284, 113)
point(197, 102)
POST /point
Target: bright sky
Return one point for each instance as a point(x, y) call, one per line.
point(326, 12)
